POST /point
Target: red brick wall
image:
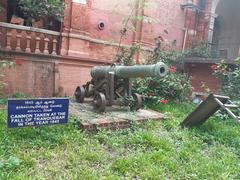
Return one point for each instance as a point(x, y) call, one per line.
point(46, 76)
point(72, 75)
point(30, 76)
point(202, 74)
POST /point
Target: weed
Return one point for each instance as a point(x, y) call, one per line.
point(155, 150)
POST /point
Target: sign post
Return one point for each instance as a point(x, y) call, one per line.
point(37, 112)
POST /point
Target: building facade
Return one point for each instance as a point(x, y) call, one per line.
point(52, 58)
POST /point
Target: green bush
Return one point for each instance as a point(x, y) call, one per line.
point(37, 10)
point(229, 77)
point(199, 49)
point(174, 86)
point(4, 64)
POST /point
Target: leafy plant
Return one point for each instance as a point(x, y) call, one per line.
point(198, 49)
point(174, 86)
point(19, 95)
point(126, 56)
point(230, 78)
point(11, 163)
point(35, 9)
point(4, 64)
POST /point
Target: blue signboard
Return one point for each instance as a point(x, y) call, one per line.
point(37, 112)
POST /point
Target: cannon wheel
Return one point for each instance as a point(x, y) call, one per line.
point(137, 104)
point(80, 94)
point(99, 102)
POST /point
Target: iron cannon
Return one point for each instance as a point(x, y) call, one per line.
point(111, 85)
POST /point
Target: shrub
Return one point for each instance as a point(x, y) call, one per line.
point(37, 10)
point(198, 49)
point(230, 78)
point(126, 55)
point(174, 86)
point(4, 64)
point(6, 61)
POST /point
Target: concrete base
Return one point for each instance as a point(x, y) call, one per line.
point(114, 118)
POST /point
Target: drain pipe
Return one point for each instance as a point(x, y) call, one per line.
point(70, 26)
point(140, 26)
point(61, 32)
point(185, 32)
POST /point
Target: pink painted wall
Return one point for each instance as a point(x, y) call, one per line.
point(80, 32)
point(167, 20)
point(168, 23)
point(164, 18)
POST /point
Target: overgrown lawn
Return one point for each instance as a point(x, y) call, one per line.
point(155, 150)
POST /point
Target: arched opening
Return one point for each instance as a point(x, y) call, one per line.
point(226, 35)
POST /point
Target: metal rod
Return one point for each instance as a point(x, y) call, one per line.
point(227, 109)
point(111, 87)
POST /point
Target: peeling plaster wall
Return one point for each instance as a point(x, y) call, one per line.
point(113, 14)
point(164, 18)
point(229, 27)
point(168, 22)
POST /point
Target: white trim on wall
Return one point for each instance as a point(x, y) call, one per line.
point(80, 1)
point(213, 15)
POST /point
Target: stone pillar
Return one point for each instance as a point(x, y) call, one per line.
point(213, 15)
point(75, 26)
point(138, 23)
point(211, 27)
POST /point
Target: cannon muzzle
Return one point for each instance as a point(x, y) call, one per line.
point(137, 71)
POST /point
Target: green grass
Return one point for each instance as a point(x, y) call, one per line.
point(155, 150)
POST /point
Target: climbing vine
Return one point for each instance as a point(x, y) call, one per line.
point(125, 55)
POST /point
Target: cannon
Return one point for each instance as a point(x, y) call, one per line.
point(111, 85)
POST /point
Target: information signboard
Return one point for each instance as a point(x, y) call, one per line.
point(37, 112)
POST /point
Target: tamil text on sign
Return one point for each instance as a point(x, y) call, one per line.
point(37, 112)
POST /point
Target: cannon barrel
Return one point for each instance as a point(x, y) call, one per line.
point(137, 71)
